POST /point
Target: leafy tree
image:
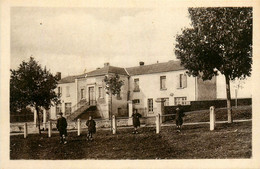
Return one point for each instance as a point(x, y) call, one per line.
point(31, 85)
point(220, 40)
point(113, 87)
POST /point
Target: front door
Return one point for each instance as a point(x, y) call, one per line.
point(91, 95)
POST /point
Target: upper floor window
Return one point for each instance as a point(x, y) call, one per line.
point(118, 96)
point(59, 91)
point(82, 93)
point(100, 92)
point(163, 82)
point(136, 85)
point(182, 81)
point(67, 91)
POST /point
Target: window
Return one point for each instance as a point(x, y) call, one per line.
point(136, 101)
point(59, 91)
point(100, 93)
point(150, 105)
point(67, 91)
point(163, 82)
point(82, 94)
point(118, 96)
point(182, 81)
point(67, 108)
point(180, 100)
point(166, 101)
point(58, 108)
point(136, 85)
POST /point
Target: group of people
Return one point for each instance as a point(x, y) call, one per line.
point(91, 124)
point(62, 128)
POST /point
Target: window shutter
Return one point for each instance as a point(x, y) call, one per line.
point(184, 80)
point(178, 81)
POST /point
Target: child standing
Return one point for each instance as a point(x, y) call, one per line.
point(91, 124)
point(136, 122)
point(178, 117)
point(62, 127)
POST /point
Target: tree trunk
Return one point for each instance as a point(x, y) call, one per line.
point(39, 120)
point(229, 110)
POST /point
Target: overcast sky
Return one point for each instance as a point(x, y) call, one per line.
point(71, 40)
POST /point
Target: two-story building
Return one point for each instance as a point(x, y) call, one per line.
point(143, 84)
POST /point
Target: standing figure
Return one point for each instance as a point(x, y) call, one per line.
point(136, 122)
point(91, 124)
point(62, 127)
point(178, 117)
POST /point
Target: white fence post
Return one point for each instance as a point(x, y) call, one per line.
point(212, 118)
point(79, 127)
point(158, 123)
point(25, 130)
point(130, 112)
point(114, 127)
point(50, 129)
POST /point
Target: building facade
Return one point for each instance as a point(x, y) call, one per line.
point(143, 85)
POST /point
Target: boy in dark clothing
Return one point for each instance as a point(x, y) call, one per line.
point(62, 127)
point(178, 117)
point(136, 122)
point(91, 128)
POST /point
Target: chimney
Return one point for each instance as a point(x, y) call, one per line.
point(141, 63)
point(106, 64)
point(58, 74)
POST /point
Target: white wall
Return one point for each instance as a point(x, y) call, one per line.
point(244, 92)
point(149, 85)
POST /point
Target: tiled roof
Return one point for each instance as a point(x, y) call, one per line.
point(107, 69)
point(98, 72)
point(68, 79)
point(155, 68)
point(138, 70)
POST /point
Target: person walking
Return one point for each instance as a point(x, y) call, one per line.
point(178, 118)
point(91, 124)
point(136, 120)
point(62, 128)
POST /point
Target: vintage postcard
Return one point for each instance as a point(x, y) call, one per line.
point(129, 84)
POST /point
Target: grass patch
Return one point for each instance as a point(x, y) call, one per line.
point(194, 142)
point(243, 112)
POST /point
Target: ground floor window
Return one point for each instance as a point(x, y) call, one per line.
point(58, 108)
point(150, 105)
point(67, 108)
point(180, 100)
point(166, 101)
point(136, 101)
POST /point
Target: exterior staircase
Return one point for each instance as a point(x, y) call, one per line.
point(79, 108)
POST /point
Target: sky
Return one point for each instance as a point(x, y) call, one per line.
point(74, 40)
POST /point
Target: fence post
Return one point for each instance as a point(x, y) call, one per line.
point(158, 123)
point(25, 130)
point(130, 112)
point(50, 129)
point(79, 127)
point(44, 119)
point(212, 118)
point(114, 127)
